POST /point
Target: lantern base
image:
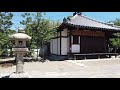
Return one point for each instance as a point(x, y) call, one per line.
point(19, 75)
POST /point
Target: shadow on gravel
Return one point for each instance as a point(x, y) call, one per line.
point(56, 58)
point(7, 63)
point(5, 76)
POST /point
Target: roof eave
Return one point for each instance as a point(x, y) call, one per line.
point(63, 25)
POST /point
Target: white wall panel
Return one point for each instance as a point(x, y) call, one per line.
point(64, 32)
point(64, 46)
point(55, 46)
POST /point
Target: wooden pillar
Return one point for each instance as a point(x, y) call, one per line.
point(70, 42)
point(107, 41)
point(107, 44)
point(60, 42)
point(57, 44)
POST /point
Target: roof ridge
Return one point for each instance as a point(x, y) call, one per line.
point(72, 18)
point(100, 21)
point(95, 20)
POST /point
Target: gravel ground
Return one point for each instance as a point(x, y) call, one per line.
point(100, 68)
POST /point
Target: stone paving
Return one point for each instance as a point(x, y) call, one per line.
point(100, 68)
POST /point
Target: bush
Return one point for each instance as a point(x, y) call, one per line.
point(29, 54)
point(4, 53)
point(36, 59)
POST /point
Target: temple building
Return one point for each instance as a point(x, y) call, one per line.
point(82, 35)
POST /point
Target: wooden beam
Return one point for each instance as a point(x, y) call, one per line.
point(88, 33)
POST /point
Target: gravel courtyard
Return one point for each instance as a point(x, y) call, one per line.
point(99, 68)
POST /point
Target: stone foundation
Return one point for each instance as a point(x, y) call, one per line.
point(19, 75)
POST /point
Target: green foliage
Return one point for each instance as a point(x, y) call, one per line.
point(115, 42)
point(117, 22)
point(41, 30)
point(5, 24)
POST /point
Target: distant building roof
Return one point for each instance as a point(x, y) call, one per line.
point(81, 21)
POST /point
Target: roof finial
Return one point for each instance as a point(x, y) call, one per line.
point(64, 20)
point(78, 13)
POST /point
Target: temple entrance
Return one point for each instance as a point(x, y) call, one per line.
point(91, 44)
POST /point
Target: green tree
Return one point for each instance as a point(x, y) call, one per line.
point(10, 43)
point(115, 42)
point(5, 24)
point(27, 22)
point(41, 30)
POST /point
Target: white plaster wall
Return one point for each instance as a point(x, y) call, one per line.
point(75, 48)
point(63, 46)
point(64, 32)
point(68, 44)
point(54, 46)
point(58, 46)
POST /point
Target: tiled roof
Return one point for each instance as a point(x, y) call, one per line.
point(83, 21)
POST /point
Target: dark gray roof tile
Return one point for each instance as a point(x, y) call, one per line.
point(80, 20)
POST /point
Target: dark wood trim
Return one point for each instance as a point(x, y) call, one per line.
point(80, 44)
point(57, 43)
point(52, 46)
point(55, 37)
point(107, 42)
point(60, 42)
point(75, 44)
point(57, 54)
point(59, 37)
point(95, 54)
point(88, 33)
point(64, 36)
point(70, 43)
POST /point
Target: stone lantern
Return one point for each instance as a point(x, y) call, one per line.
point(20, 49)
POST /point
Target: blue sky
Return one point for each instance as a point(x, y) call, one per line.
point(100, 16)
